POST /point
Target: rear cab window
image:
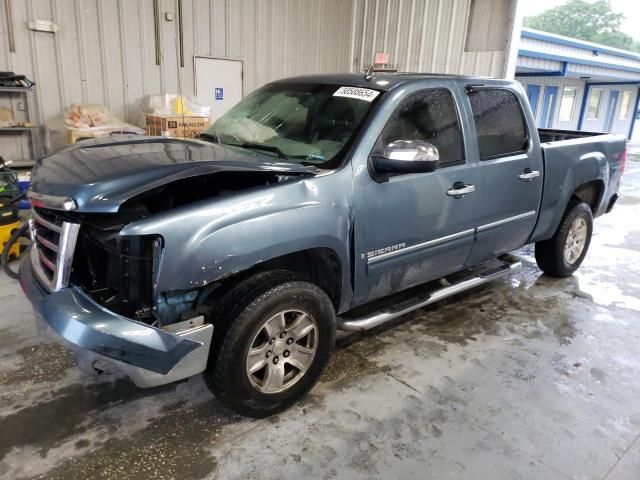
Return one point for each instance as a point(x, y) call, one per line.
point(500, 123)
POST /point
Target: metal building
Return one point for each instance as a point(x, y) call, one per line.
point(578, 85)
point(114, 52)
point(469, 37)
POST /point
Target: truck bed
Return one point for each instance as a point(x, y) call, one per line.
point(573, 159)
point(548, 135)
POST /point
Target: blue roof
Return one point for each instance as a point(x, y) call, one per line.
point(574, 42)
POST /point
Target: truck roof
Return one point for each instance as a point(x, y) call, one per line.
point(385, 80)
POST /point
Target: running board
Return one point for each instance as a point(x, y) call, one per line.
point(508, 265)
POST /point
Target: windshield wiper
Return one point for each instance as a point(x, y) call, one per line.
point(208, 136)
point(267, 148)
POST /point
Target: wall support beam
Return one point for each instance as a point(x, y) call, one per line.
point(634, 114)
point(583, 106)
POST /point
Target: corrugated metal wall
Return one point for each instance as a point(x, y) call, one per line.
point(424, 36)
point(104, 51)
point(538, 64)
point(577, 53)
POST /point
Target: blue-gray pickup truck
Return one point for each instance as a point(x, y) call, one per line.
point(301, 212)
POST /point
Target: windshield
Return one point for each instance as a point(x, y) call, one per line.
point(306, 123)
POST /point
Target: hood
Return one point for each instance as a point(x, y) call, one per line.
point(101, 174)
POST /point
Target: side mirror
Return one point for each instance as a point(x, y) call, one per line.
point(407, 156)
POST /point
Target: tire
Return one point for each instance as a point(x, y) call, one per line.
point(245, 318)
point(551, 255)
point(7, 262)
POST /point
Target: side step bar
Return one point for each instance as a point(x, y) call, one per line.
point(509, 264)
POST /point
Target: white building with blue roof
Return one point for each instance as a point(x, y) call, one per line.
point(578, 85)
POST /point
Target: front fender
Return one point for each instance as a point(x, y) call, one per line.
point(212, 239)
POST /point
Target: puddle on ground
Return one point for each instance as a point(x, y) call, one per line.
point(529, 308)
point(72, 410)
point(87, 421)
point(175, 445)
point(345, 367)
point(7, 336)
point(39, 363)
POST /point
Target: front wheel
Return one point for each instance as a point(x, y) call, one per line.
point(273, 334)
point(563, 253)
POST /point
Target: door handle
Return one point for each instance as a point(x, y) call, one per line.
point(527, 175)
point(460, 189)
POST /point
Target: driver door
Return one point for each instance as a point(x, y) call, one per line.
point(411, 228)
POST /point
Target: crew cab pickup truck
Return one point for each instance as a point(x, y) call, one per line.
point(302, 211)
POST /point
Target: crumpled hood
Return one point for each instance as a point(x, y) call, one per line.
point(102, 174)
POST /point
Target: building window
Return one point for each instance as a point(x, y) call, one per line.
point(594, 104)
point(567, 104)
point(499, 122)
point(625, 105)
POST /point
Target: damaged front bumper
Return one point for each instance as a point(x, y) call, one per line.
point(104, 341)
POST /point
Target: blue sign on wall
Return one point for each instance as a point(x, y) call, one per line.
point(219, 93)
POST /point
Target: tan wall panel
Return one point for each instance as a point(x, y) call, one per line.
point(104, 50)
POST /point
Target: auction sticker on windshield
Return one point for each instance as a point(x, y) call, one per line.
point(365, 94)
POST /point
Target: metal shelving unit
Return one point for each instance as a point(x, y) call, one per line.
point(32, 115)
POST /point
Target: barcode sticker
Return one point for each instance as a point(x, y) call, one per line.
point(365, 94)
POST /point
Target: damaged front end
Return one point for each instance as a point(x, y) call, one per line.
point(120, 272)
point(101, 289)
point(104, 307)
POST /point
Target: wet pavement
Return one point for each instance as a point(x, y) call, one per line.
point(527, 377)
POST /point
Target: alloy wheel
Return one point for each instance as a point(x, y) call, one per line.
point(576, 240)
point(282, 351)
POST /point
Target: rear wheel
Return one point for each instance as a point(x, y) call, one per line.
point(563, 253)
point(273, 334)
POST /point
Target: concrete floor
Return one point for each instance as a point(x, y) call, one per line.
point(528, 377)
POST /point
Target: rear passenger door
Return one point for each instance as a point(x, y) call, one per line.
point(510, 172)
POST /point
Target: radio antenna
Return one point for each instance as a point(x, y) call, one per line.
point(369, 73)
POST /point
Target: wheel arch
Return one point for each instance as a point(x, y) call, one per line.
point(320, 265)
point(584, 181)
point(590, 193)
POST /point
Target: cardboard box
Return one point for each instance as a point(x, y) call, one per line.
point(176, 125)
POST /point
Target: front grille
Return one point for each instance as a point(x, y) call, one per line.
point(54, 241)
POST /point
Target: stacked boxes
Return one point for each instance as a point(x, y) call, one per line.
point(176, 125)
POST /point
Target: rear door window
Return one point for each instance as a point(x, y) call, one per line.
point(499, 121)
